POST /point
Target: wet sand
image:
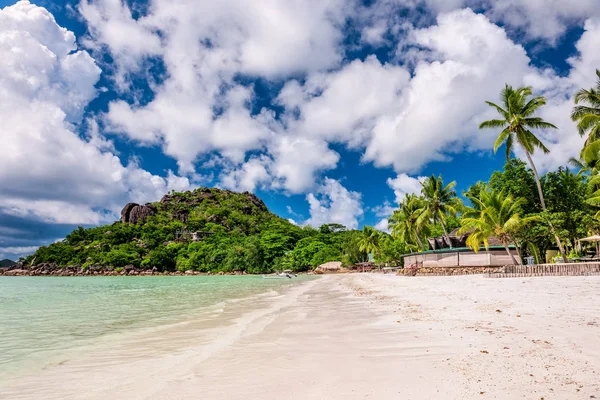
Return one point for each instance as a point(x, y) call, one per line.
point(362, 336)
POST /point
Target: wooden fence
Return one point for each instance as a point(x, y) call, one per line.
point(572, 269)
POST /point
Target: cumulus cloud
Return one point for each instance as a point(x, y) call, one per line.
point(565, 142)
point(333, 203)
point(395, 117)
point(200, 108)
point(384, 212)
point(48, 171)
point(343, 105)
point(546, 19)
point(248, 176)
point(534, 19)
point(404, 184)
point(16, 251)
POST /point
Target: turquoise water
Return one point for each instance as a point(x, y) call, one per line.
point(41, 317)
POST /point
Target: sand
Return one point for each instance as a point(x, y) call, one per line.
point(358, 336)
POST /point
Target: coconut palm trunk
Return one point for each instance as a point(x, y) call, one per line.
point(512, 257)
point(446, 234)
point(543, 203)
point(419, 241)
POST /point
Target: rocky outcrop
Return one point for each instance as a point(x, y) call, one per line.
point(133, 213)
point(51, 269)
point(252, 198)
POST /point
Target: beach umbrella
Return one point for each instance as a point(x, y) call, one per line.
point(593, 238)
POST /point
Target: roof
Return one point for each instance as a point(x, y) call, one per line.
point(457, 250)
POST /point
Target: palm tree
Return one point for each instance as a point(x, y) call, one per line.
point(493, 214)
point(589, 159)
point(407, 223)
point(587, 112)
point(439, 201)
point(516, 123)
point(369, 241)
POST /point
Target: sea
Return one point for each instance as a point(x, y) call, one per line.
point(46, 321)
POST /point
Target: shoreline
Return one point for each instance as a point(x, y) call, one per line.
point(48, 269)
point(357, 336)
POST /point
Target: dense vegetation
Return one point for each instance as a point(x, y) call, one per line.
point(516, 205)
point(244, 236)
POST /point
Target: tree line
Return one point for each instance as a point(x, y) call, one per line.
point(516, 205)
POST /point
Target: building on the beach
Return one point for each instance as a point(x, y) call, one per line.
point(453, 252)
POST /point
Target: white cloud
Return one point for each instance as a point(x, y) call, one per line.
point(533, 19)
point(396, 119)
point(440, 110)
point(546, 19)
point(348, 103)
point(404, 184)
point(383, 225)
point(297, 161)
point(333, 203)
point(48, 172)
point(565, 142)
point(199, 108)
point(248, 176)
point(16, 251)
point(383, 211)
point(129, 41)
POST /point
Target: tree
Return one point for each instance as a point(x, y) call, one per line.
point(589, 159)
point(495, 214)
point(369, 242)
point(407, 221)
point(587, 112)
point(518, 180)
point(439, 201)
point(517, 122)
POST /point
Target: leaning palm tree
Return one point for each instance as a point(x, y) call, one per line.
point(494, 214)
point(440, 201)
point(369, 241)
point(517, 121)
point(587, 112)
point(407, 223)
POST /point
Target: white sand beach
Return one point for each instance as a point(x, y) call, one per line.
point(359, 336)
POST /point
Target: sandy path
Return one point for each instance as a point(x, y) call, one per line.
point(363, 337)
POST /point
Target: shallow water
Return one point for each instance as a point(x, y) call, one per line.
point(44, 318)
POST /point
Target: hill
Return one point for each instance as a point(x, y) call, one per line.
point(205, 230)
point(7, 263)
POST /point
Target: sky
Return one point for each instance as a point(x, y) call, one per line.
point(329, 110)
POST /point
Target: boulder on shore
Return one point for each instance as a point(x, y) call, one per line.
point(332, 266)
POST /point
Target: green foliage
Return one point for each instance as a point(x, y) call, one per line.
point(497, 215)
point(518, 181)
point(245, 237)
point(587, 112)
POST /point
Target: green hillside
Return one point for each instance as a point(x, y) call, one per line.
point(6, 263)
point(207, 230)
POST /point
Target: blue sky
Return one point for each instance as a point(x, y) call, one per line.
point(328, 110)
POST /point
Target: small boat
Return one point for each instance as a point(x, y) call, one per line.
point(280, 275)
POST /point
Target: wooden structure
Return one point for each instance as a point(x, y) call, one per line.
point(571, 269)
point(365, 266)
point(461, 257)
point(193, 236)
